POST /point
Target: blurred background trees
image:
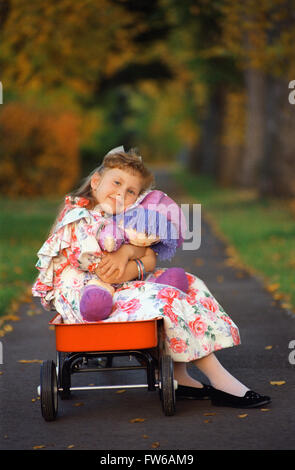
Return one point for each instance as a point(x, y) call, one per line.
point(200, 82)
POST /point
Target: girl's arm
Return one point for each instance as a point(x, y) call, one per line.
point(117, 261)
point(133, 251)
point(131, 272)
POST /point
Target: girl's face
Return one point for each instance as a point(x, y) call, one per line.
point(116, 189)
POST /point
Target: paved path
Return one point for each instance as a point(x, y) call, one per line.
point(101, 420)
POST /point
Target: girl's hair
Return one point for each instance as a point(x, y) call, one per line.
point(128, 161)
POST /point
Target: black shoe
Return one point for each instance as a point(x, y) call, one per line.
point(193, 393)
point(249, 400)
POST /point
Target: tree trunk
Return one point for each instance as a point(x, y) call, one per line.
point(278, 171)
point(204, 158)
point(233, 139)
point(254, 133)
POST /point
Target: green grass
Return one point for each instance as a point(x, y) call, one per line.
point(262, 231)
point(24, 225)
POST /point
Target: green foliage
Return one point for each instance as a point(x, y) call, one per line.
point(24, 226)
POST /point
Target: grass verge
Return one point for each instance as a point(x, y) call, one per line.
point(24, 225)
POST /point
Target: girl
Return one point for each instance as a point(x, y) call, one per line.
point(194, 322)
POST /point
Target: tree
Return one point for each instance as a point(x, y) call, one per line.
point(261, 37)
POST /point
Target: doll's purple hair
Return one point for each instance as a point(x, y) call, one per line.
point(159, 215)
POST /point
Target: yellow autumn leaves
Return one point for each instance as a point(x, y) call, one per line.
point(6, 320)
point(274, 290)
point(7, 327)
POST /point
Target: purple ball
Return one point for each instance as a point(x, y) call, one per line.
point(96, 303)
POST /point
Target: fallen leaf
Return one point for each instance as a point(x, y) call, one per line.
point(137, 420)
point(155, 445)
point(79, 404)
point(30, 361)
point(145, 436)
point(242, 416)
point(34, 399)
point(39, 447)
point(277, 382)
point(278, 296)
point(199, 262)
point(264, 409)
point(240, 274)
point(9, 317)
point(120, 391)
point(272, 287)
point(209, 414)
point(31, 313)
point(268, 347)
point(7, 328)
point(286, 305)
point(220, 279)
point(70, 446)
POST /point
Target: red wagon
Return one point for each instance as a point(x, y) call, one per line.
point(78, 346)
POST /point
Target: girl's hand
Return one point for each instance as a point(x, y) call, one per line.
point(130, 273)
point(117, 261)
point(112, 263)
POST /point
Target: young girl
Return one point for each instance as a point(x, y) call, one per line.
point(195, 323)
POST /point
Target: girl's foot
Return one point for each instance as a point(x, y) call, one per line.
point(193, 393)
point(96, 303)
point(249, 400)
point(175, 277)
point(99, 283)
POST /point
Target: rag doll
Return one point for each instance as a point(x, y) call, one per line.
point(157, 222)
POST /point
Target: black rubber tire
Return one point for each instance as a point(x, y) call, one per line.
point(49, 391)
point(64, 377)
point(167, 392)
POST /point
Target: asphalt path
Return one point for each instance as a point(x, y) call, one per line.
point(106, 420)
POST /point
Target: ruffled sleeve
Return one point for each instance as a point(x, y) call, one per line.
point(74, 242)
point(85, 252)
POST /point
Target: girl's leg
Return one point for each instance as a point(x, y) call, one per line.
point(182, 376)
point(219, 377)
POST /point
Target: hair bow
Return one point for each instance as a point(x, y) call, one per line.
point(119, 149)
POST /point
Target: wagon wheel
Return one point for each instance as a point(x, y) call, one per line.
point(167, 392)
point(64, 376)
point(48, 381)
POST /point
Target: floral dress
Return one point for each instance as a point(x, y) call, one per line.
point(195, 324)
